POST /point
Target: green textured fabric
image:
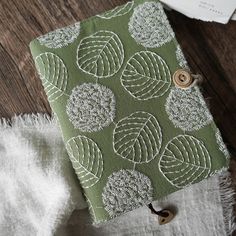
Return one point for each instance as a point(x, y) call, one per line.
point(132, 136)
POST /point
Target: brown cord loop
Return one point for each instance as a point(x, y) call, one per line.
point(164, 216)
point(159, 213)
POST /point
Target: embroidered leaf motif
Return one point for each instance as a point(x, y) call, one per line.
point(149, 25)
point(138, 137)
point(187, 109)
point(86, 159)
point(118, 11)
point(126, 190)
point(91, 107)
point(146, 76)
point(185, 161)
point(100, 54)
point(53, 73)
point(60, 37)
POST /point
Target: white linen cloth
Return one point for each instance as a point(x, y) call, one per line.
point(203, 209)
point(39, 191)
point(38, 187)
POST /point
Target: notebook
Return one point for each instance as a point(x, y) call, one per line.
point(134, 123)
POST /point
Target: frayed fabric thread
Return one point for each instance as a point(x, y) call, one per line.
point(27, 120)
point(38, 188)
point(227, 195)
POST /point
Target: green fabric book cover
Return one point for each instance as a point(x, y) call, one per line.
point(131, 134)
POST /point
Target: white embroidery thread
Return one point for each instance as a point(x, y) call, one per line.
point(100, 54)
point(118, 11)
point(221, 144)
point(53, 73)
point(219, 171)
point(91, 107)
point(146, 76)
point(126, 190)
point(60, 37)
point(149, 25)
point(86, 159)
point(187, 109)
point(185, 161)
point(181, 58)
point(137, 137)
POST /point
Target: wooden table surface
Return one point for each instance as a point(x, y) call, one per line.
point(210, 49)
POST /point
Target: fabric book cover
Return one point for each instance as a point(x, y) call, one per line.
point(132, 135)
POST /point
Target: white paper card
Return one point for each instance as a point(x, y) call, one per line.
point(234, 16)
point(206, 10)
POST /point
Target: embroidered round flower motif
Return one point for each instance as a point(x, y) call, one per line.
point(91, 107)
point(187, 109)
point(221, 144)
point(60, 37)
point(126, 190)
point(149, 25)
point(181, 59)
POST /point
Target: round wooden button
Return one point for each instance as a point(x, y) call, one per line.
point(166, 217)
point(182, 79)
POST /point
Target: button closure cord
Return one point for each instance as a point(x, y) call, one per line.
point(184, 79)
point(164, 216)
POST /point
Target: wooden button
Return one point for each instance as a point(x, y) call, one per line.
point(165, 217)
point(182, 79)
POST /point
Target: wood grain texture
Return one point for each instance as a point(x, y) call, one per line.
point(210, 49)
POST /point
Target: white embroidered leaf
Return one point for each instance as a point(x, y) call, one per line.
point(60, 37)
point(86, 159)
point(118, 11)
point(138, 137)
point(146, 76)
point(187, 109)
point(149, 25)
point(100, 54)
point(185, 161)
point(53, 73)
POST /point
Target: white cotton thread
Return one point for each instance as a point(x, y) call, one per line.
point(126, 190)
point(91, 107)
point(117, 11)
point(187, 109)
point(60, 37)
point(221, 144)
point(53, 73)
point(146, 76)
point(184, 160)
point(137, 137)
point(87, 160)
point(100, 54)
point(181, 58)
point(227, 195)
point(149, 25)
